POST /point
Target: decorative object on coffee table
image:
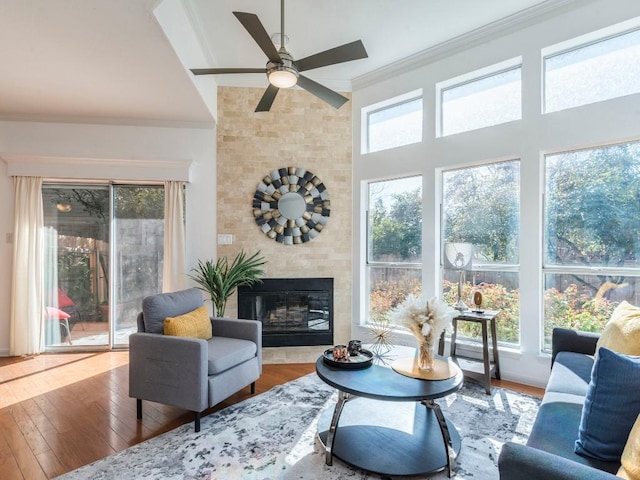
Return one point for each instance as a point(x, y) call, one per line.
point(363, 359)
point(442, 369)
point(291, 205)
point(354, 347)
point(382, 344)
point(340, 353)
point(426, 319)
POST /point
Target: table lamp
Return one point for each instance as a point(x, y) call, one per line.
point(459, 255)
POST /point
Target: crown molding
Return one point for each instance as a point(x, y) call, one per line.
point(504, 26)
point(96, 168)
point(86, 120)
point(23, 159)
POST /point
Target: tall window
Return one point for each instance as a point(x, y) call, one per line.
point(591, 236)
point(592, 72)
point(394, 244)
point(481, 213)
point(480, 99)
point(91, 231)
point(393, 123)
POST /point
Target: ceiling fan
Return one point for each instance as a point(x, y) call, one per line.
point(282, 70)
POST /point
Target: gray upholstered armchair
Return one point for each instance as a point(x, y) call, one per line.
point(191, 373)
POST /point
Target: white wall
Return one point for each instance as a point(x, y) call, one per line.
point(80, 151)
point(527, 140)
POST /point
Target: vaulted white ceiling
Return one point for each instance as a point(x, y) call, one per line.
point(128, 60)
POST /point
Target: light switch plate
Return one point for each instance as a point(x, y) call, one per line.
point(225, 239)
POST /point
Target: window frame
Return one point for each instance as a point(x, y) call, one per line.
point(372, 264)
point(556, 269)
point(577, 43)
point(468, 78)
point(390, 103)
point(484, 267)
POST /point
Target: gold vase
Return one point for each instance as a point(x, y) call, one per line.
point(425, 356)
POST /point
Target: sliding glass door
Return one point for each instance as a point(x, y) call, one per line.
point(138, 230)
point(103, 255)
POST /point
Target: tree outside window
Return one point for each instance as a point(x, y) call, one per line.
point(481, 206)
point(394, 244)
point(592, 236)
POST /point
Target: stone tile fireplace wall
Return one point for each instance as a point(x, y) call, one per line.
point(300, 131)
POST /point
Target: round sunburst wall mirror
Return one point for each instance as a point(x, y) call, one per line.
point(291, 205)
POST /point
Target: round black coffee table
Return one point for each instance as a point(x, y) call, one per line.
point(379, 436)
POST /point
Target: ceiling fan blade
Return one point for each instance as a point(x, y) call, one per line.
point(267, 99)
point(344, 53)
point(252, 24)
point(323, 93)
point(217, 71)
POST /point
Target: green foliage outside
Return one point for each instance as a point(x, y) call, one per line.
point(569, 309)
point(74, 275)
point(481, 206)
point(130, 202)
point(592, 207)
point(89, 219)
point(592, 219)
point(396, 233)
point(139, 202)
point(494, 297)
point(575, 310)
point(387, 295)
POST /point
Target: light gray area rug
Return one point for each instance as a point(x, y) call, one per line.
point(273, 436)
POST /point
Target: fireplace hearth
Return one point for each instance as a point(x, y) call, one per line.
point(293, 311)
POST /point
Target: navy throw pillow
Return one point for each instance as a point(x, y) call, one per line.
point(611, 406)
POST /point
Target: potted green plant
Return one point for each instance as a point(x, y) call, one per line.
point(220, 279)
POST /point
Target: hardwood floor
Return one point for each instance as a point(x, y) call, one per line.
point(61, 411)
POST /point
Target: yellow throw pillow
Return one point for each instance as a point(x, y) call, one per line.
point(630, 469)
point(194, 324)
point(622, 332)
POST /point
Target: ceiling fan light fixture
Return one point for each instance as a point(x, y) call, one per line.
point(282, 76)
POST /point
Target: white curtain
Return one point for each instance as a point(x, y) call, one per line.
point(25, 330)
point(173, 270)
